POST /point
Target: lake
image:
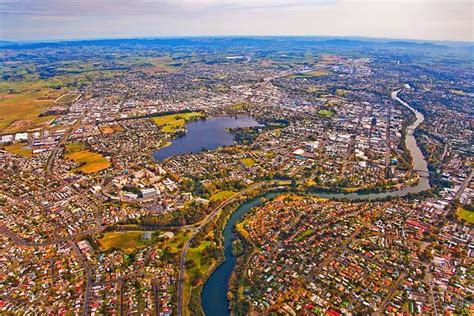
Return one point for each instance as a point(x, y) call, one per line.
point(214, 293)
point(205, 135)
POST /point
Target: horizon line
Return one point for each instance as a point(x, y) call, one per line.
point(359, 37)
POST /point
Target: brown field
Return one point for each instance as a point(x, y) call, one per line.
point(19, 150)
point(110, 129)
point(66, 98)
point(90, 162)
point(24, 108)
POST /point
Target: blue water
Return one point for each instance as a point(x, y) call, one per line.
point(214, 293)
point(204, 135)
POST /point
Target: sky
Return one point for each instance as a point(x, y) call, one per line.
point(36, 20)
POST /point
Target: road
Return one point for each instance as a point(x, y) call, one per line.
point(391, 292)
point(87, 268)
point(219, 208)
point(463, 187)
point(156, 298)
point(54, 153)
point(5, 231)
point(202, 224)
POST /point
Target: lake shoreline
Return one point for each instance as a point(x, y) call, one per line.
point(214, 301)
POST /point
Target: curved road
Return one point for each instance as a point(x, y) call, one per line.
point(420, 166)
point(196, 230)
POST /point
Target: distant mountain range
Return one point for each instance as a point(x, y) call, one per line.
point(250, 41)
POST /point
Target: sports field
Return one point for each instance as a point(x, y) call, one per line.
point(90, 162)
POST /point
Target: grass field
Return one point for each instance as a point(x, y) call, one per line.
point(311, 74)
point(74, 147)
point(325, 113)
point(222, 195)
point(468, 216)
point(65, 98)
point(91, 162)
point(126, 241)
point(177, 242)
point(195, 254)
point(173, 122)
point(249, 162)
point(21, 111)
point(19, 150)
point(22, 101)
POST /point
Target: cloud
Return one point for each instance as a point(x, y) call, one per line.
point(66, 19)
point(139, 7)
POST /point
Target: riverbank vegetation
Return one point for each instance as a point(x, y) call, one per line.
point(237, 247)
point(206, 253)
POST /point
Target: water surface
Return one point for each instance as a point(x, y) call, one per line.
point(205, 135)
point(214, 294)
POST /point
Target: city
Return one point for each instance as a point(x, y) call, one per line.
point(232, 175)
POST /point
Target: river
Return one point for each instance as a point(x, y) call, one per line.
point(214, 293)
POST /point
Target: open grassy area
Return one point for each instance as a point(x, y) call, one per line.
point(195, 254)
point(310, 74)
point(325, 113)
point(19, 150)
point(127, 241)
point(173, 122)
point(23, 100)
point(466, 215)
point(176, 243)
point(20, 111)
point(74, 147)
point(249, 162)
point(91, 162)
point(65, 98)
point(222, 195)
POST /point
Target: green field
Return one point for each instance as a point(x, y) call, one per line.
point(90, 162)
point(19, 150)
point(195, 254)
point(249, 162)
point(176, 243)
point(466, 215)
point(74, 147)
point(174, 122)
point(222, 195)
point(126, 241)
point(65, 98)
point(310, 74)
point(325, 113)
point(20, 111)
